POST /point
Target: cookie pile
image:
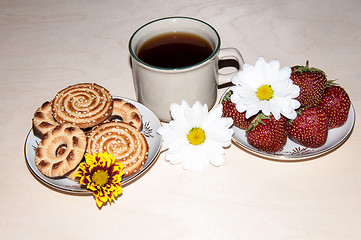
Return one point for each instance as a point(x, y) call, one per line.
point(85, 118)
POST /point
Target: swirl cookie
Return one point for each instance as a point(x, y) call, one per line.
point(123, 140)
point(43, 120)
point(60, 150)
point(126, 112)
point(84, 105)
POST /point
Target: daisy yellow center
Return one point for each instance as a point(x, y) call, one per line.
point(265, 92)
point(100, 177)
point(196, 136)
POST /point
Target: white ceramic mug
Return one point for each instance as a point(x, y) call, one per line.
point(157, 88)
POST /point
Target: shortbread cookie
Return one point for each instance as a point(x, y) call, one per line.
point(126, 112)
point(84, 105)
point(71, 175)
point(43, 120)
point(123, 140)
point(60, 150)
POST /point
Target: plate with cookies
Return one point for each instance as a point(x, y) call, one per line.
point(84, 119)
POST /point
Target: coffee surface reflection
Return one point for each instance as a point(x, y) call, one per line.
point(175, 50)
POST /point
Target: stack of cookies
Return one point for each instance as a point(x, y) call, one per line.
point(85, 118)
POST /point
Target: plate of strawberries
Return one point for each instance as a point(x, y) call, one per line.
point(324, 121)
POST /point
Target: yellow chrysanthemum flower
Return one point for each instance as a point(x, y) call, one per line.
point(102, 175)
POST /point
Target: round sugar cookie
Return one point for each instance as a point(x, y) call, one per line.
point(60, 150)
point(123, 140)
point(43, 120)
point(84, 105)
point(126, 112)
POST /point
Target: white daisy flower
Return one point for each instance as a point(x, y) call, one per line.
point(196, 137)
point(267, 88)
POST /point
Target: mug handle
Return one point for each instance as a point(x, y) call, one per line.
point(230, 53)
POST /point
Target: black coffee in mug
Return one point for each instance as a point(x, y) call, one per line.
point(175, 50)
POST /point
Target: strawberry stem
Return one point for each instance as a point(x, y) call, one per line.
point(331, 83)
point(227, 96)
point(258, 119)
point(306, 68)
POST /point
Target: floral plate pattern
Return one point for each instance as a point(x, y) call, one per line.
point(296, 152)
point(150, 125)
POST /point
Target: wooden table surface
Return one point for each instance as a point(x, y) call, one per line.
point(46, 45)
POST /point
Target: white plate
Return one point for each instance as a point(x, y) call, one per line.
point(293, 151)
point(150, 126)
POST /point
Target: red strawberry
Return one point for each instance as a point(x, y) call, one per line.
point(267, 134)
point(336, 104)
point(312, 83)
point(310, 127)
point(229, 110)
